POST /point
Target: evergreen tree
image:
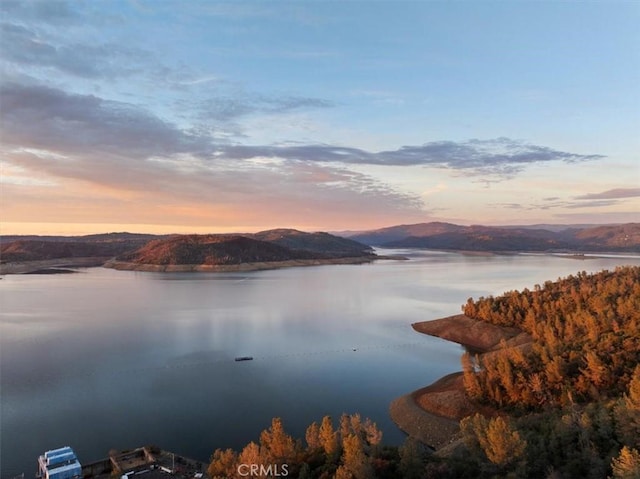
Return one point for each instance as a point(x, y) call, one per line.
point(276, 444)
point(412, 459)
point(328, 437)
point(223, 464)
point(354, 459)
point(626, 465)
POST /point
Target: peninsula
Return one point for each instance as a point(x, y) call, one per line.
point(550, 381)
point(432, 414)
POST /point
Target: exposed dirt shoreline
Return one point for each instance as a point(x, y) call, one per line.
point(121, 265)
point(23, 267)
point(432, 414)
point(477, 336)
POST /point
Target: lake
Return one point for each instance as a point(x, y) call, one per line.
point(107, 359)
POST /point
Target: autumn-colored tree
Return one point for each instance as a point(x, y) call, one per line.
point(632, 397)
point(501, 443)
point(312, 436)
point(470, 378)
point(627, 413)
point(355, 463)
point(276, 444)
point(626, 465)
point(328, 437)
point(251, 454)
point(372, 435)
point(223, 464)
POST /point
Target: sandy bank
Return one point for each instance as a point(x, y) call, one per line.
point(432, 414)
point(472, 333)
point(427, 426)
point(121, 265)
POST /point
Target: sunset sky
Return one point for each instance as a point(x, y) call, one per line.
point(199, 116)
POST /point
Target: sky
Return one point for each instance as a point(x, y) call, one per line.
point(203, 116)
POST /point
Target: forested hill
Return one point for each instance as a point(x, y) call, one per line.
point(586, 339)
point(574, 395)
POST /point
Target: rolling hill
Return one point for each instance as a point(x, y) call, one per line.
point(129, 250)
point(610, 238)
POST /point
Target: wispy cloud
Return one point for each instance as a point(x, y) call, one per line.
point(48, 118)
point(232, 107)
point(501, 157)
point(25, 47)
point(54, 135)
point(77, 126)
point(55, 12)
point(595, 200)
point(611, 194)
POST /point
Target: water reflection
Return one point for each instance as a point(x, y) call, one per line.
point(113, 359)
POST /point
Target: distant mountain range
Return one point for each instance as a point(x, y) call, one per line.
point(282, 245)
point(267, 246)
point(38, 248)
point(447, 236)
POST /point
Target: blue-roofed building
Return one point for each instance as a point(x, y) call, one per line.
point(59, 463)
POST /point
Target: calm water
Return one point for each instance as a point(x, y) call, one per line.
point(108, 359)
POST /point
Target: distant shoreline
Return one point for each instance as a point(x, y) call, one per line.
point(50, 266)
point(225, 268)
point(24, 267)
point(432, 414)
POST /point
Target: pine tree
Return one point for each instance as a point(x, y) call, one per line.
point(626, 465)
point(251, 454)
point(223, 463)
point(501, 443)
point(312, 436)
point(627, 413)
point(328, 437)
point(354, 460)
point(278, 446)
point(470, 378)
point(412, 459)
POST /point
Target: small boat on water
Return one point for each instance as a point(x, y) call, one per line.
point(244, 358)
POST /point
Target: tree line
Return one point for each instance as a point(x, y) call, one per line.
point(349, 450)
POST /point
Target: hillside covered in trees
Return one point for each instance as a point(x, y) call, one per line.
point(586, 341)
point(574, 395)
